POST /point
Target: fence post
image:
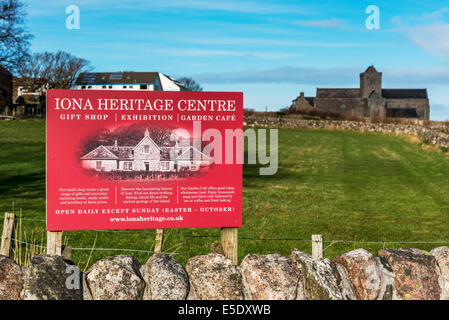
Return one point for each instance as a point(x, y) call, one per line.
point(159, 241)
point(229, 242)
point(54, 243)
point(317, 246)
point(8, 230)
point(67, 252)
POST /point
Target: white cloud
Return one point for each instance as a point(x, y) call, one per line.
point(211, 52)
point(275, 42)
point(435, 14)
point(330, 23)
point(428, 31)
point(400, 78)
point(298, 75)
point(424, 18)
point(234, 6)
point(255, 7)
point(433, 39)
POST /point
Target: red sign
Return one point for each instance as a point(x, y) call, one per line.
point(137, 160)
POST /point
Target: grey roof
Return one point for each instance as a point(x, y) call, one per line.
point(179, 84)
point(310, 100)
point(331, 93)
point(121, 152)
point(404, 93)
point(116, 77)
point(192, 154)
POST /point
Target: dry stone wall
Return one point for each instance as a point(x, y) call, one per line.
point(433, 132)
point(395, 274)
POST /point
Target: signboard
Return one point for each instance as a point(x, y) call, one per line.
point(143, 159)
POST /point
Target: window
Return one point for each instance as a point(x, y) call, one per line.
point(83, 87)
point(116, 75)
point(130, 87)
point(89, 77)
point(98, 165)
point(124, 87)
point(165, 166)
point(146, 149)
point(143, 87)
point(128, 165)
point(89, 87)
point(104, 87)
point(110, 87)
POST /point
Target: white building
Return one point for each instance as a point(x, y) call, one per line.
point(21, 88)
point(146, 156)
point(148, 81)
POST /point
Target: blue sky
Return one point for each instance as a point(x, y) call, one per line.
point(270, 50)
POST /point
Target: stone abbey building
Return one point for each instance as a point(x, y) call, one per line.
point(370, 100)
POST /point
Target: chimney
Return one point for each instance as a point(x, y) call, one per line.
point(301, 94)
point(115, 145)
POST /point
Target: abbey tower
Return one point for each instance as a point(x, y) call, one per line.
point(370, 81)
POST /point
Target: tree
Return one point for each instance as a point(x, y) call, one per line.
point(14, 37)
point(51, 70)
point(190, 84)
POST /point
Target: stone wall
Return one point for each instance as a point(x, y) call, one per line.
point(433, 132)
point(399, 274)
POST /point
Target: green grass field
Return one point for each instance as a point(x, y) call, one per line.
point(345, 185)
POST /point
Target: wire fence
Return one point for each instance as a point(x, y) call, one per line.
point(330, 242)
point(102, 249)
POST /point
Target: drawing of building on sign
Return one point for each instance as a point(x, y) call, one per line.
point(146, 156)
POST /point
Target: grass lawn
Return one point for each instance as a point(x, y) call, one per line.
point(345, 185)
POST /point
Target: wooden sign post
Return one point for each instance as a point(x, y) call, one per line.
point(159, 241)
point(54, 243)
point(229, 241)
point(317, 246)
point(8, 230)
